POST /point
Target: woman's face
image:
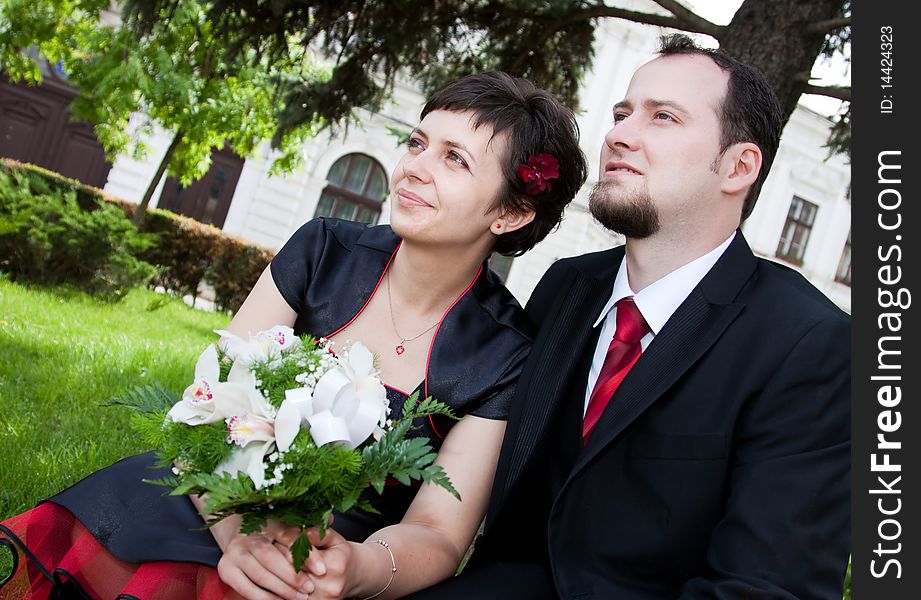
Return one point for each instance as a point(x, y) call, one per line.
point(444, 188)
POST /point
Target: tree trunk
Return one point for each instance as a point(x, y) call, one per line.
point(774, 38)
point(142, 207)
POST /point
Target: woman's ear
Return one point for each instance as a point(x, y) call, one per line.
point(743, 168)
point(512, 220)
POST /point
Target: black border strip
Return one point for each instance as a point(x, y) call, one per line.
point(886, 533)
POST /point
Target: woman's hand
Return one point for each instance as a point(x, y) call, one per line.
point(259, 567)
point(329, 565)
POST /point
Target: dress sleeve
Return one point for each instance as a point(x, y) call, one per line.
point(497, 404)
point(295, 264)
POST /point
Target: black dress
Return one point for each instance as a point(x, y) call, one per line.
point(327, 272)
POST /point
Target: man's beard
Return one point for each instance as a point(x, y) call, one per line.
point(629, 213)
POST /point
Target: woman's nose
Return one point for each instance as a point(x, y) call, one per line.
point(415, 166)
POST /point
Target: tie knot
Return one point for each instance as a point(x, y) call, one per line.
point(631, 326)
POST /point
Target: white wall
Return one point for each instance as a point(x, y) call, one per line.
point(267, 209)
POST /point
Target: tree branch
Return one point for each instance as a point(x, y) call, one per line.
point(691, 20)
point(830, 25)
point(698, 25)
point(684, 19)
point(832, 91)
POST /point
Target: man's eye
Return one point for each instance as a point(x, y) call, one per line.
point(414, 143)
point(664, 116)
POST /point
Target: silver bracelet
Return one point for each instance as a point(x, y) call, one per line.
point(393, 566)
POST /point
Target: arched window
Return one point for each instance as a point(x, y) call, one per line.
point(356, 185)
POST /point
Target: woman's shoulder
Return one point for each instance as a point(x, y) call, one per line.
point(480, 350)
point(327, 266)
point(503, 309)
point(348, 234)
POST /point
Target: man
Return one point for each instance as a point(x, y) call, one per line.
point(704, 450)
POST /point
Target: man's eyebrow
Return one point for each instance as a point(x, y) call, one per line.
point(652, 104)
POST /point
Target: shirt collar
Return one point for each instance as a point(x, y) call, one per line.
point(659, 300)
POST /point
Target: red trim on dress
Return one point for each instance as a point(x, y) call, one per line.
point(396, 389)
point(428, 360)
point(374, 291)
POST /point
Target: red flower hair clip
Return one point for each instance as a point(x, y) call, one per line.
point(537, 174)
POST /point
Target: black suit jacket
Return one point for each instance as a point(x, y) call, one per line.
point(720, 468)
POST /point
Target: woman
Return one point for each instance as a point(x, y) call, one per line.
point(490, 168)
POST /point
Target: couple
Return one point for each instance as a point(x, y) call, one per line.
point(678, 413)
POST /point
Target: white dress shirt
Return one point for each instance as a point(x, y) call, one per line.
point(657, 302)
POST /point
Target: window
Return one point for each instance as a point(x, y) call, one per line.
point(500, 265)
point(356, 187)
point(796, 230)
point(844, 265)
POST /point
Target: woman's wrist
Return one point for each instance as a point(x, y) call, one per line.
point(222, 532)
point(226, 530)
point(372, 573)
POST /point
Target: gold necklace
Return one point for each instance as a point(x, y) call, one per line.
point(400, 348)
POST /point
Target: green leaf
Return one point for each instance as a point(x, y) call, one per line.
point(300, 550)
point(151, 398)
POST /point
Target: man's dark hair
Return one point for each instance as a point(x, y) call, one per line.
point(750, 111)
point(535, 122)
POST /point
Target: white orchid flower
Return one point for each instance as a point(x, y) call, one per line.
point(264, 345)
point(253, 430)
point(208, 400)
point(349, 402)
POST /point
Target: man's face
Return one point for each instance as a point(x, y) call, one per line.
point(660, 160)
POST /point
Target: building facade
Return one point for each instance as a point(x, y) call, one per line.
point(802, 218)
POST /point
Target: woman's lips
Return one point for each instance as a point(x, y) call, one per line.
point(409, 199)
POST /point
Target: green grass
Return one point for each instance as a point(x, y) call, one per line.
point(61, 355)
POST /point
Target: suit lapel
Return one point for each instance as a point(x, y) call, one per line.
point(554, 362)
point(689, 333)
point(697, 324)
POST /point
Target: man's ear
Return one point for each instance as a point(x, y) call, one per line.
point(744, 165)
point(512, 220)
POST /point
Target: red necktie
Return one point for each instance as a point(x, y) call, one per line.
point(624, 350)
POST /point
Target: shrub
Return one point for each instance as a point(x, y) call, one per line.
point(233, 273)
point(57, 235)
point(185, 251)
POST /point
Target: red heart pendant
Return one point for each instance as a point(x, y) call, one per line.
point(400, 350)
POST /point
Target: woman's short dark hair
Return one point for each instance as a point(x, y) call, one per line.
point(535, 122)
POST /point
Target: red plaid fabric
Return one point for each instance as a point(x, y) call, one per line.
point(63, 545)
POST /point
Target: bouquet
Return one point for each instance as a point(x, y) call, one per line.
point(281, 427)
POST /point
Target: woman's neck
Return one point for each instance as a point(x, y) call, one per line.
point(429, 281)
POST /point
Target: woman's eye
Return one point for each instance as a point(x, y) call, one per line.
point(457, 158)
point(619, 116)
point(414, 143)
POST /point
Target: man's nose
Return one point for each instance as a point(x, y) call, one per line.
point(624, 133)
